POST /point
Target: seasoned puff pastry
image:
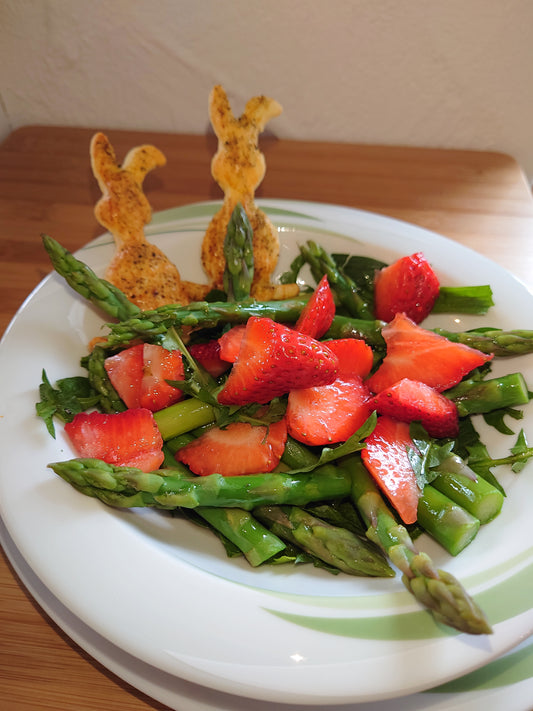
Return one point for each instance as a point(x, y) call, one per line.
point(138, 268)
point(239, 167)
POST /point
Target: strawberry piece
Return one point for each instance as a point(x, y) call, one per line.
point(418, 354)
point(274, 359)
point(130, 438)
point(408, 286)
point(410, 400)
point(139, 375)
point(208, 356)
point(355, 356)
point(230, 343)
point(318, 313)
point(385, 457)
point(238, 448)
point(328, 413)
point(125, 371)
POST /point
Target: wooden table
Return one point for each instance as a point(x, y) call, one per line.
point(479, 199)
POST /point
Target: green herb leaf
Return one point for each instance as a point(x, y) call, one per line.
point(71, 396)
point(464, 300)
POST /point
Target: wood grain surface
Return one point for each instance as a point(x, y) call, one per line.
point(479, 199)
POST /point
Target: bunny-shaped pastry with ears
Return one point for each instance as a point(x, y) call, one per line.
point(238, 166)
point(139, 268)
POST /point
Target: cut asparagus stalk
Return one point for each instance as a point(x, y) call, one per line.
point(476, 495)
point(447, 522)
point(256, 542)
point(436, 590)
point(332, 544)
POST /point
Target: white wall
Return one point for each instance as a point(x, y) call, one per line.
point(452, 73)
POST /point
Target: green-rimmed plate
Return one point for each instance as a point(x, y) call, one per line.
point(164, 592)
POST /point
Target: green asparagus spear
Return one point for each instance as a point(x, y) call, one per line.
point(110, 400)
point(332, 544)
point(343, 286)
point(446, 521)
point(128, 487)
point(256, 542)
point(152, 325)
point(481, 396)
point(239, 254)
point(83, 280)
point(183, 416)
point(367, 330)
point(493, 341)
point(437, 590)
point(473, 493)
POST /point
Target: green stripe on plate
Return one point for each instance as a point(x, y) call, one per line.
point(504, 600)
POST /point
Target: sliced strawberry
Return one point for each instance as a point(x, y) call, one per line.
point(408, 286)
point(130, 438)
point(274, 359)
point(139, 375)
point(418, 354)
point(318, 313)
point(328, 413)
point(208, 355)
point(385, 457)
point(239, 448)
point(410, 401)
point(125, 371)
point(230, 342)
point(355, 356)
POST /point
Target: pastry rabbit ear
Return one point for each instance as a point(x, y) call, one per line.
point(141, 160)
point(257, 112)
point(123, 208)
point(103, 159)
point(220, 111)
point(138, 162)
point(260, 109)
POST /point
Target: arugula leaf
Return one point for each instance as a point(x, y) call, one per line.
point(463, 300)
point(470, 448)
point(339, 513)
point(291, 275)
point(353, 444)
point(198, 382)
point(496, 419)
point(71, 396)
point(522, 452)
point(426, 455)
point(361, 270)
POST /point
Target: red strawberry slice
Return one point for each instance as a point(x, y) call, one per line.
point(385, 457)
point(329, 413)
point(408, 286)
point(410, 401)
point(139, 375)
point(130, 438)
point(418, 354)
point(208, 356)
point(318, 313)
point(230, 343)
point(274, 359)
point(355, 356)
point(125, 371)
point(239, 448)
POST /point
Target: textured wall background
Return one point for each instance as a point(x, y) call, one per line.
point(452, 73)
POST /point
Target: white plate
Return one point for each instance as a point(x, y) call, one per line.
point(164, 592)
point(506, 683)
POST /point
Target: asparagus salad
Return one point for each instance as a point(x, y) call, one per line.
point(331, 429)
